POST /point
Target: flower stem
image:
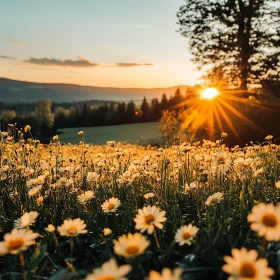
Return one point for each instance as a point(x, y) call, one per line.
point(156, 239)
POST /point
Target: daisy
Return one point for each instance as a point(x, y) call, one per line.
point(110, 271)
point(50, 228)
point(72, 227)
point(215, 198)
point(110, 205)
point(265, 219)
point(131, 245)
point(243, 265)
point(83, 198)
point(149, 195)
point(34, 191)
point(26, 219)
point(186, 234)
point(17, 240)
point(107, 231)
point(92, 176)
point(166, 274)
point(148, 218)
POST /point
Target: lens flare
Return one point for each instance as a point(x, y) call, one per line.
point(209, 93)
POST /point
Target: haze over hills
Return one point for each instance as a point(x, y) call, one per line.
point(20, 91)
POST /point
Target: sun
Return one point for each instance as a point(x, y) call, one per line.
point(209, 93)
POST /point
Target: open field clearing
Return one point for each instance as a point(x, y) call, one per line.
point(141, 133)
point(198, 211)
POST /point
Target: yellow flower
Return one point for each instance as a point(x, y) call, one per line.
point(166, 274)
point(215, 198)
point(81, 133)
point(110, 205)
point(34, 191)
point(277, 184)
point(27, 128)
point(83, 198)
point(110, 271)
point(148, 218)
point(107, 231)
point(55, 138)
point(149, 195)
point(26, 219)
point(72, 227)
point(243, 265)
point(265, 220)
point(17, 240)
point(224, 135)
point(186, 234)
point(131, 245)
point(50, 228)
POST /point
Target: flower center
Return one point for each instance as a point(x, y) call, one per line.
point(72, 230)
point(221, 159)
point(149, 219)
point(269, 220)
point(214, 200)
point(186, 235)
point(106, 277)
point(247, 270)
point(15, 244)
point(111, 206)
point(132, 250)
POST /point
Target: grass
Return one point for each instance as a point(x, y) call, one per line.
point(140, 133)
point(205, 190)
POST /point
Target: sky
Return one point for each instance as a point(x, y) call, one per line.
point(108, 43)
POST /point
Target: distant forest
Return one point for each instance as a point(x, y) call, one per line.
point(46, 117)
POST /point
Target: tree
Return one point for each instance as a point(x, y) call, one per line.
point(43, 113)
point(242, 37)
point(164, 102)
point(145, 108)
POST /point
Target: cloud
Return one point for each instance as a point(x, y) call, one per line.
point(7, 57)
point(40, 68)
point(81, 62)
point(131, 64)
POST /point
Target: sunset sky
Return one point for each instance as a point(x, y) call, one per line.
point(119, 43)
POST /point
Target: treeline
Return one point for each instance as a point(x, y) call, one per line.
point(115, 113)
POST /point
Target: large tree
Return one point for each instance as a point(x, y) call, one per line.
point(240, 37)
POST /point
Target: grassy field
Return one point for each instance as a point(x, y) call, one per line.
point(141, 133)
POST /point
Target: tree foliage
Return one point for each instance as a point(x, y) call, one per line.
point(241, 37)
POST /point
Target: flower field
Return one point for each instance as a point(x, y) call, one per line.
point(189, 211)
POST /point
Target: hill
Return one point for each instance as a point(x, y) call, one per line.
point(21, 91)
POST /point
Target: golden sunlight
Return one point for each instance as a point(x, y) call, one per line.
point(209, 93)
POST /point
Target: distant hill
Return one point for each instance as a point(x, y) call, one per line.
point(20, 91)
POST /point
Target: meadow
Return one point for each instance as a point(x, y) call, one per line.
point(125, 211)
point(139, 133)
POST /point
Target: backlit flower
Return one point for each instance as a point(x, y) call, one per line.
point(17, 240)
point(265, 220)
point(166, 274)
point(243, 265)
point(131, 245)
point(110, 205)
point(110, 271)
point(83, 198)
point(26, 219)
point(213, 199)
point(148, 218)
point(186, 234)
point(72, 227)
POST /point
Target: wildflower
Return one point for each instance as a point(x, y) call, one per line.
point(131, 245)
point(277, 184)
point(81, 133)
point(110, 271)
point(50, 228)
point(28, 171)
point(186, 234)
point(34, 191)
point(83, 198)
point(55, 138)
point(27, 128)
point(107, 231)
point(243, 265)
point(224, 135)
point(17, 240)
point(72, 227)
point(269, 137)
point(92, 176)
point(148, 218)
point(110, 205)
point(213, 199)
point(149, 195)
point(111, 143)
point(166, 274)
point(39, 200)
point(265, 220)
point(26, 219)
